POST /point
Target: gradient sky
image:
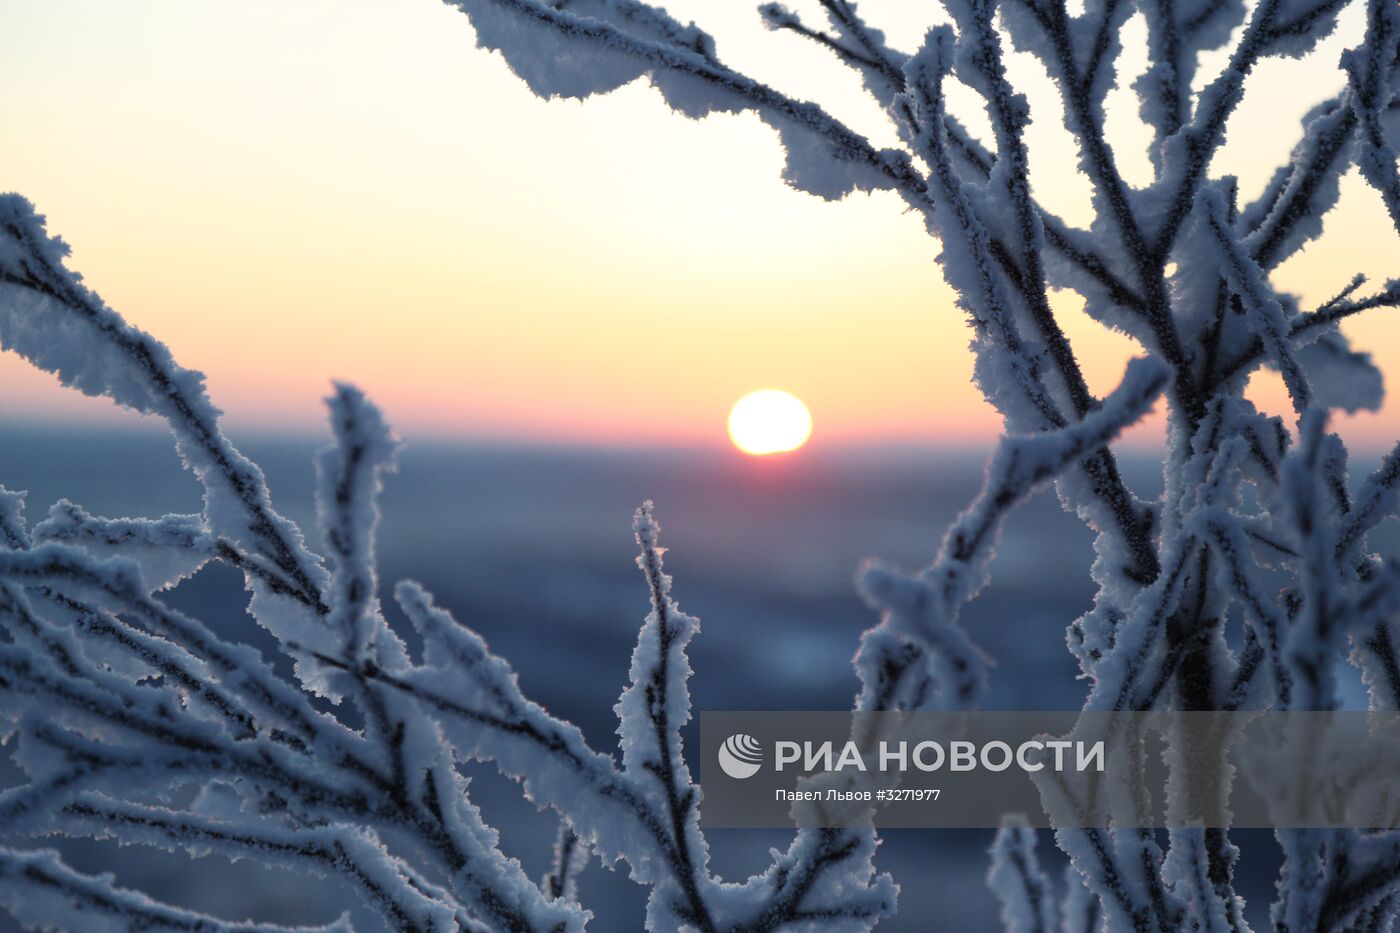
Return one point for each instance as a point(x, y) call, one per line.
point(291, 192)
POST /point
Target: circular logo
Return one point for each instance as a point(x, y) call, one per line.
point(741, 756)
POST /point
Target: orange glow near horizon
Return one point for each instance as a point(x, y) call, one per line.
point(291, 193)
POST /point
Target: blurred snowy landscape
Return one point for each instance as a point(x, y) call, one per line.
point(533, 547)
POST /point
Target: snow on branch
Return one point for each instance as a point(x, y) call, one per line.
point(1027, 901)
point(651, 712)
point(1289, 212)
point(1249, 282)
point(570, 858)
point(48, 316)
point(387, 885)
point(919, 657)
point(1373, 71)
point(349, 477)
point(112, 700)
point(167, 549)
point(593, 47)
point(39, 889)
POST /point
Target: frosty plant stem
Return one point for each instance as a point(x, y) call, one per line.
point(1185, 615)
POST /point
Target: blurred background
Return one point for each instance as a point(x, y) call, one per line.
point(557, 303)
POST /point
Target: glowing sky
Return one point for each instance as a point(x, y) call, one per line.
point(290, 192)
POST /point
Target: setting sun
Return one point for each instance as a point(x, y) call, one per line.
point(769, 421)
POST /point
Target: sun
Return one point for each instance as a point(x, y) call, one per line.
point(769, 421)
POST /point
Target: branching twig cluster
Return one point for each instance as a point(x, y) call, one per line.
point(114, 700)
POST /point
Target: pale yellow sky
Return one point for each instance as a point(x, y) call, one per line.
point(291, 192)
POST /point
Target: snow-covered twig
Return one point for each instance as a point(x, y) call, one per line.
point(114, 697)
point(39, 889)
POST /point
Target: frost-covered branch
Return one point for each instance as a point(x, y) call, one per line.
point(1265, 313)
point(387, 885)
point(48, 316)
point(114, 699)
point(570, 857)
point(1373, 71)
point(1027, 901)
point(919, 657)
point(1289, 212)
point(39, 889)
